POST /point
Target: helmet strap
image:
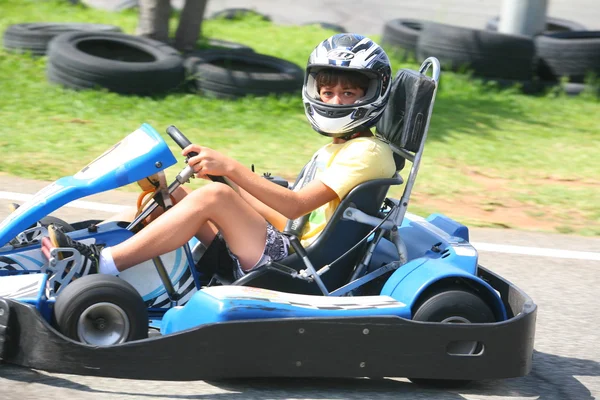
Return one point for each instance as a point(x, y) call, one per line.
point(353, 135)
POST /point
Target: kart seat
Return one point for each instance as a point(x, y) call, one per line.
point(403, 126)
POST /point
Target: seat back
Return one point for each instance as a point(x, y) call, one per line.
point(403, 126)
point(337, 237)
point(404, 121)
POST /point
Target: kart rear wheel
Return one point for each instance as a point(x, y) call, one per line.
point(453, 306)
point(101, 310)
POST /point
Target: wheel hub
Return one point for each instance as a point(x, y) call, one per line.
point(103, 324)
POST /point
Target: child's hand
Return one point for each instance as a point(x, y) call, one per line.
point(208, 161)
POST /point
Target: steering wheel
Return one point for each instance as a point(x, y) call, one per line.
point(184, 142)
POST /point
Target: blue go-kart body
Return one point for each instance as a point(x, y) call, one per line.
point(430, 311)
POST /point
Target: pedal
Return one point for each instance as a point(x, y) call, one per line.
point(60, 269)
point(30, 236)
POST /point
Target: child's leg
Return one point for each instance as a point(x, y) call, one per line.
point(201, 213)
point(130, 214)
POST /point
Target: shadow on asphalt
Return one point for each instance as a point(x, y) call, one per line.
point(552, 377)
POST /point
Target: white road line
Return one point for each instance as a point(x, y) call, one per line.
point(84, 205)
point(490, 247)
point(537, 251)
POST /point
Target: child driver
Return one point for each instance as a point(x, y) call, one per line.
point(346, 88)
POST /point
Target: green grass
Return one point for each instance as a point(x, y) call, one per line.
point(487, 145)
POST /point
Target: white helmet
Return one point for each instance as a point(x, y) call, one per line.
point(350, 52)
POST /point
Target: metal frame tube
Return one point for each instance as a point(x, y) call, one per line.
point(416, 162)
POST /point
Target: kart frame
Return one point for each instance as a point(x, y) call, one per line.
point(289, 347)
point(374, 346)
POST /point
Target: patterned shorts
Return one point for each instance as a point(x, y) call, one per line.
point(276, 248)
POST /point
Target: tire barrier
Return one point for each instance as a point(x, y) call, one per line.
point(238, 13)
point(34, 37)
point(564, 49)
point(401, 35)
point(219, 44)
point(552, 25)
point(232, 74)
point(485, 53)
point(118, 62)
point(571, 54)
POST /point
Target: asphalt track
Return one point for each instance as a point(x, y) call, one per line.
point(368, 16)
point(560, 272)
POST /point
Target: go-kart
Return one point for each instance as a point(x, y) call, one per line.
point(380, 292)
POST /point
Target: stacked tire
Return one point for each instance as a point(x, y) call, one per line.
point(401, 35)
point(226, 74)
point(565, 50)
point(117, 62)
point(571, 54)
point(487, 54)
point(34, 37)
point(552, 25)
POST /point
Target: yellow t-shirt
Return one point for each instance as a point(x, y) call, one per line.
point(343, 166)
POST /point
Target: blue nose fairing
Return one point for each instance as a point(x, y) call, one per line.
point(140, 154)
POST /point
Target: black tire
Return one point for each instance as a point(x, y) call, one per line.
point(328, 25)
point(230, 74)
point(401, 35)
point(487, 54)
point(34, 37)
point(552, 25)
point(238, 13)
point(47, 220)
point(50, 220)
point(568, 54)
point(219, 44)
point(121, 63)
point(446, 304)
point(452, 305)
point(92, 300)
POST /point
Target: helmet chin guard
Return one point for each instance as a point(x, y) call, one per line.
point(347, 52)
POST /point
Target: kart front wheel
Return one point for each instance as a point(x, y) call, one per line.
point(453, 306)
point(101, 310)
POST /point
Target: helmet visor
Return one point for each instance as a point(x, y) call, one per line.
point(329, 76)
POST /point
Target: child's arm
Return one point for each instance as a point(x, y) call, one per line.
point(275, 218)
point(286, 202)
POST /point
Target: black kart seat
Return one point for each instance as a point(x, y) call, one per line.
point(403, 123)
point(336, 239)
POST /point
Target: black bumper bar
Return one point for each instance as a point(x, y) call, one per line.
point(295, 347)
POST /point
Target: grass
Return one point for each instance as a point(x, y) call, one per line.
point(488, 149)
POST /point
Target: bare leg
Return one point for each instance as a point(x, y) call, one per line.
point(130, 214)
point(200, 213)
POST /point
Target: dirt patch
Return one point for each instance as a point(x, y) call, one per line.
point(492, 182)
point(485, 211)
point(496, 205)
